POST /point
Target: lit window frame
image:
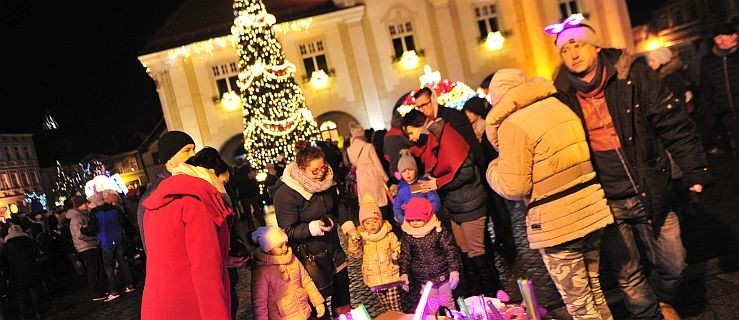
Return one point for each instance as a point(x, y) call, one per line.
point(487, 16)
point(402, 32)
point(314, 51)
point(228, 72)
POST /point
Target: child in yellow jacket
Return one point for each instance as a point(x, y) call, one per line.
point(379, 249)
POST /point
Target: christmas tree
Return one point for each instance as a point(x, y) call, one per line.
point(275, 115)
point(71, 180)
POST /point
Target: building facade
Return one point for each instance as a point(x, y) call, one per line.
point(128, 165)
point(19, 173)
point(373, 52)
point(681, 24)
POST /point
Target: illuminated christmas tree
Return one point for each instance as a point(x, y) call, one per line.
point(275, 115)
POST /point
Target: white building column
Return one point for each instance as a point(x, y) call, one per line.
point(366, 76)
point(445, 28)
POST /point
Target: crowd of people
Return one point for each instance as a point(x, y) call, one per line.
point(598, 156)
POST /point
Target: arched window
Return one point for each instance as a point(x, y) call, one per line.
point(329, 132)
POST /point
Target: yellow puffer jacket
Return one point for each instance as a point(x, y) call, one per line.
point(379, 253)
point(281, 288)
point(543, 151)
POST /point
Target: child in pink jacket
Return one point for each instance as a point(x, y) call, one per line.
point(281, 287)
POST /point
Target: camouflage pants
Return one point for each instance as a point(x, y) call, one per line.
point(573, 267)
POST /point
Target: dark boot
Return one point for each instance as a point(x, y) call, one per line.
point(489, 279)
point(471, 286)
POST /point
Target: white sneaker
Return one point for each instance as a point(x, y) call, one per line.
point(112, 296)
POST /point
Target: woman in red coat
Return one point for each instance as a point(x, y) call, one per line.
point(187, 240)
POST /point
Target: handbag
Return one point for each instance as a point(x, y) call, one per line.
point(320, 265)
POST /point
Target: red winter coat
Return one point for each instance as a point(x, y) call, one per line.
point(187, 240)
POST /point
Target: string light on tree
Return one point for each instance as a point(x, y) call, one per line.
point(275, 115)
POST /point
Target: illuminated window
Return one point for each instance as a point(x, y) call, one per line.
point(402, 35)
point(568, 7)
point(25, 178)
point(133, 164)
point(313, 57)
point(5, 181)
point(226, 76)
point(487, 19)
point(329, 131)
point(14, 180)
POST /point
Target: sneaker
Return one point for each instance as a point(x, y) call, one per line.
point(129, 289)
point(668, 312)
point(100, 297)
point(112, 296)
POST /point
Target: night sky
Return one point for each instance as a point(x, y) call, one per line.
point(77, 59)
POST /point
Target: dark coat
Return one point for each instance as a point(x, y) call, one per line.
point(429, 258)
point(647, 122)
point(716, 75)
point(19, 261)
point(463, 195)
point(294, 213)
point(108, 220)
point(140, 210)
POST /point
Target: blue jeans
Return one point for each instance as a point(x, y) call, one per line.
point(664, 250)
point(110, 256)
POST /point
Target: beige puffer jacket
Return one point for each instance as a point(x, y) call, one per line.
point(379, 253)
point(543, 151)
point(282, 288)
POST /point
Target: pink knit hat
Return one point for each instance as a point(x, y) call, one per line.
point(269, 237)
point(368, 208)
point(418, 208)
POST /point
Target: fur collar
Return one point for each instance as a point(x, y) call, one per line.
point(433, 224)
point(386, 227)
point(676, 64)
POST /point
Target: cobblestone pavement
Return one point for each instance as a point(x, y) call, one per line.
point(710, 290)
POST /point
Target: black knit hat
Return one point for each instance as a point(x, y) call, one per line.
point(171, 142)
point(77, 201)
point(725, 29)
point(475, 105)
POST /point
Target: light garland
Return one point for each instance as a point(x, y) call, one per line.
point(409, 60)
point(33, 196)
point(494, 41)
point(275, 116)
point(449, 93)
point(202, 47)
point(299, 25)
point(231, 100)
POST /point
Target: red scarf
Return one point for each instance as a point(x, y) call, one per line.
point(443, 157)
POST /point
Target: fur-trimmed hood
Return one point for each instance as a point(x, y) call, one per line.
point(674, 65)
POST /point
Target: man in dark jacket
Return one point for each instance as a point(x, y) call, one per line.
point(630, 119)
point(20, 260)
point(174, 147)
point(719, 82)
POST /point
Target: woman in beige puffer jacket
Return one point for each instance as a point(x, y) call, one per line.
point(544, 160)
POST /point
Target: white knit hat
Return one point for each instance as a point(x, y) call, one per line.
point(269, 237)
point(504, 80)
point(661, 55)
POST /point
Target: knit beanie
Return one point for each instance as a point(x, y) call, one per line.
point(268, 237)
point(475, 105)
point(418, 208)
point(368, 208)
point(724, 29)
point(172, 142)
point(577, 33)
point(504, 80)
point(406, 161)
point(77, 201)
point(661, 55)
